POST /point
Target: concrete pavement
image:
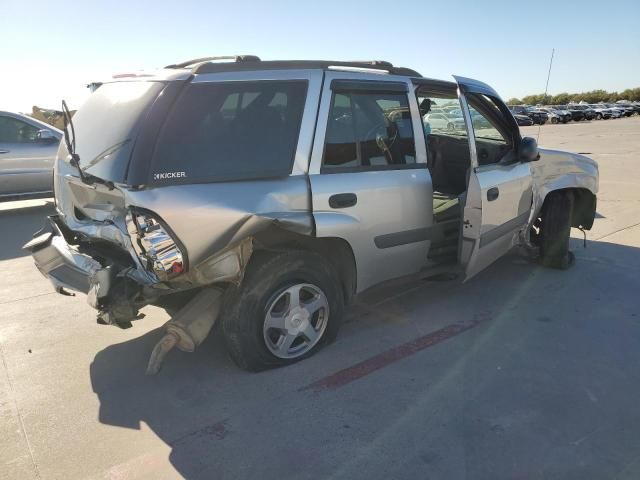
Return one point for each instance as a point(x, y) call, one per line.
point(521, 373)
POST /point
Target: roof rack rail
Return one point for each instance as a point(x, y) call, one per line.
point(235, 58)
point(250, 62)
point(383, 64)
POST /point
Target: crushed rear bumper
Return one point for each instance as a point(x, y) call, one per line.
point(70, 264)
point(63, 264)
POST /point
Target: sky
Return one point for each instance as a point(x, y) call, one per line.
point(50, 49)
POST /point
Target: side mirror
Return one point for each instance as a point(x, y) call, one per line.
point(46, 136)
point(528, 151)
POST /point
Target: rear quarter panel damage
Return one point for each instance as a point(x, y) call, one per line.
point(213, 220)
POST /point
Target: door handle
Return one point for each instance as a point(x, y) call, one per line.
point(493, 193)
point(343, 200)
point(4, 151)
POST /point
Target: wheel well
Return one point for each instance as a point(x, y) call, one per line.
point(337, 251)
point(584, 207)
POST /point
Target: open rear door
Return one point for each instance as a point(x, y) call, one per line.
point(499, 189)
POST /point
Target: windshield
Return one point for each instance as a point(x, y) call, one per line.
point(106, 126)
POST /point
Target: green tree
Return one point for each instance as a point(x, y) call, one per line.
point(560, 99)
point(593, 96)
point(632, 94)
point(533, 99)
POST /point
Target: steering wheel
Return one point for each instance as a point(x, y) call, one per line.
point(382, 129)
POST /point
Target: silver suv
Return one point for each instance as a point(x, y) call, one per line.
point(269, 193)
point(27, 151)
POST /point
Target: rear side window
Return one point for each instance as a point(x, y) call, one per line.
point(231, 131)
point(368, 131)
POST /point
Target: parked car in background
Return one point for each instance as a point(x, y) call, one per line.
point(621, 112)
point(589, 113)
point(576, 114)
point(27, 151)
point(554, 117)
point(439, 121)
point(602, 112)
point(538, 117)
point(615, 112)
point(627, 110)
point(565, 115)
point(522, 120)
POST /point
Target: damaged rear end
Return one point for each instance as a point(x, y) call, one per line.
point(157, 204)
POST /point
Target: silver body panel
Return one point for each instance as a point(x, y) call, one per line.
point(26, 167)
point(387, 229)
point(557, 170)
point(389, 202)
point(491, 227)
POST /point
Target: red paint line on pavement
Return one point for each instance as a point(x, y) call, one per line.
point(218, 430)
point(370, 365)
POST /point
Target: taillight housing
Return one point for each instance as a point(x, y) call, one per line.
point(155, 246)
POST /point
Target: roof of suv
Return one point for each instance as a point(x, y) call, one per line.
point(251, 62)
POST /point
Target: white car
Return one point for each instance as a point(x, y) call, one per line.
point(439, 121)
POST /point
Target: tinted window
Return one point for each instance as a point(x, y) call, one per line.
point(16, 131)
point(369, 130)
point(107, 124)
point(231, 131)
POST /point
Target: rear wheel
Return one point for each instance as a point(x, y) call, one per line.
point(555, 227)
point(288, 305)
point(599, 116)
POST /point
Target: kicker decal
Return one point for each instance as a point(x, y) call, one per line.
point(169, 175)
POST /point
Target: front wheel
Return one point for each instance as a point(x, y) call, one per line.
point(555, 227)
point(288, 305)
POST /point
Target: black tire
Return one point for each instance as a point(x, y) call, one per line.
point(245, 306)
point(555, 229)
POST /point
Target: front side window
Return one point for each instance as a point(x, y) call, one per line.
point(441, 114)
point(493, 139)
point(231, 131)
point(16, 131)
point(368, 131)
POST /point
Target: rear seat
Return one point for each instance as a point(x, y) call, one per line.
point(446, 207)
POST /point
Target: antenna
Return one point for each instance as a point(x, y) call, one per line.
point(546, 87)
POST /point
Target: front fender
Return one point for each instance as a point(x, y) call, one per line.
point(557, 170)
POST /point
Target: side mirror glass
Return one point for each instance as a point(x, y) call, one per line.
point(528, 151)
point(46, 136)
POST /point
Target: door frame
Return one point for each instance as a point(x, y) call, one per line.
point(477, 250)
point(403, 252)
point(317, 152)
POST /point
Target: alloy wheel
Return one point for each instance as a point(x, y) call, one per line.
point(295, 320)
